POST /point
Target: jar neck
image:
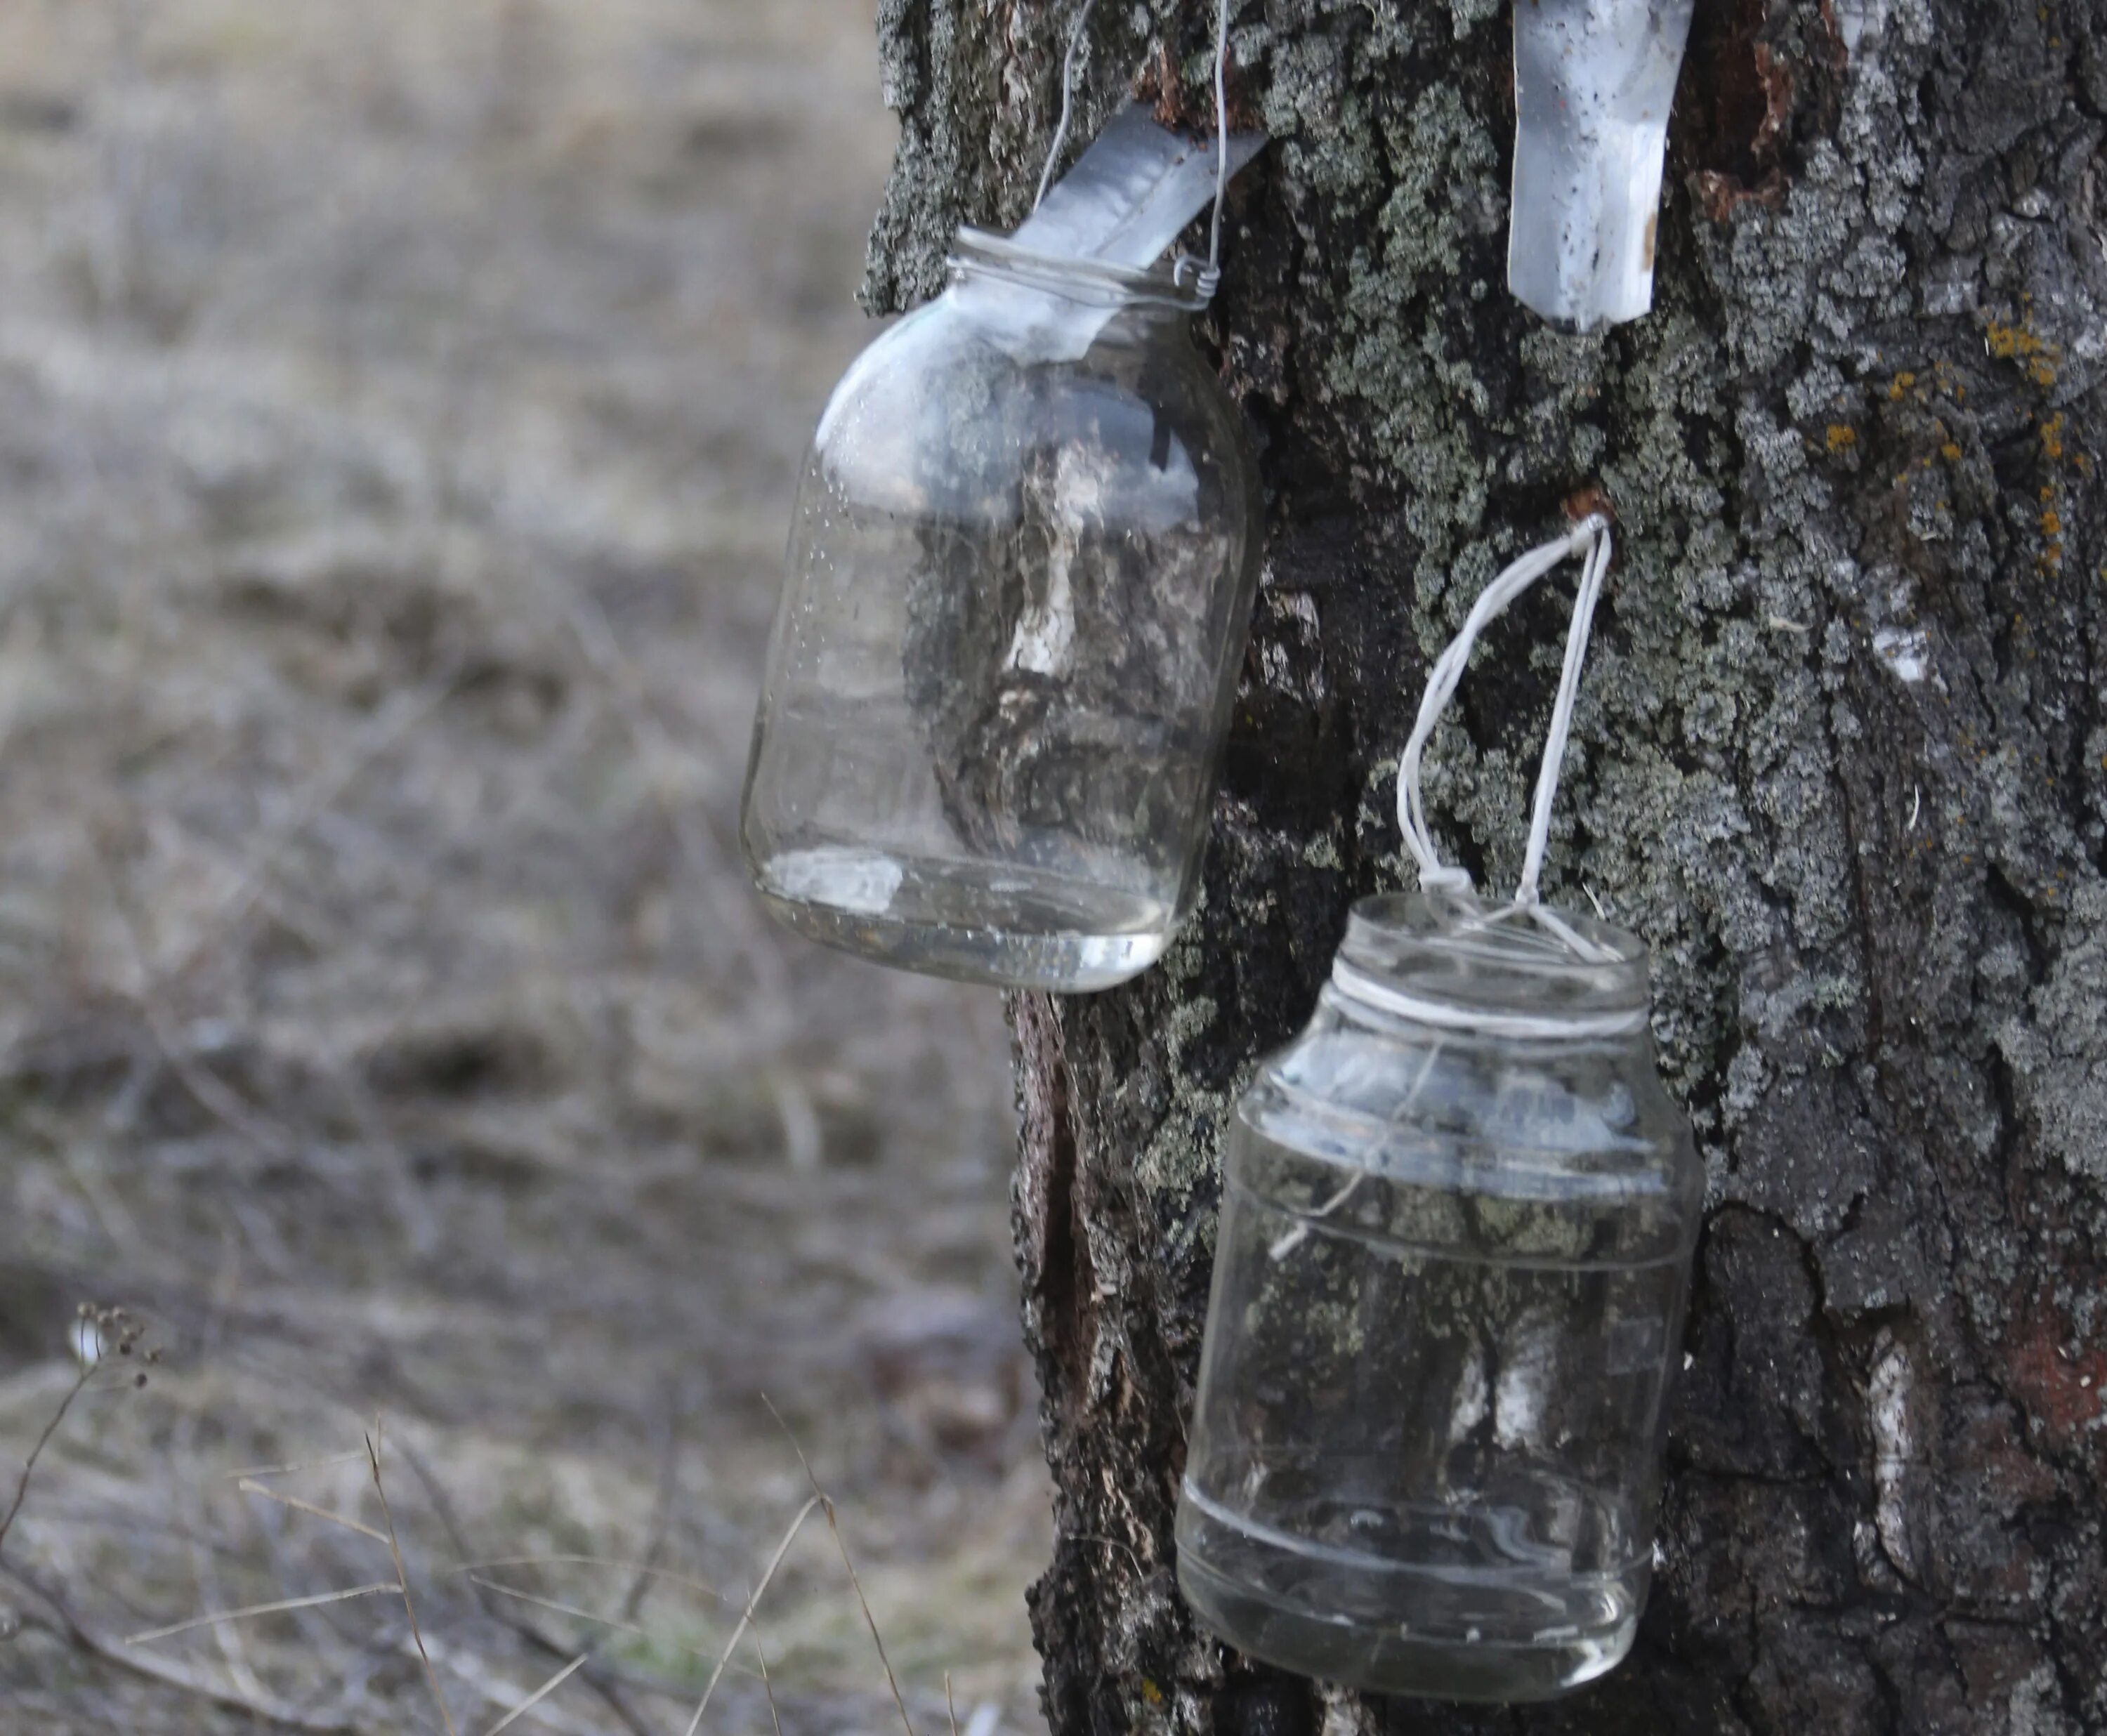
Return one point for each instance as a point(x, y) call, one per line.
point(1348, 1003)
point(1169, 294)
point(1364, 995)
point(1452, 966)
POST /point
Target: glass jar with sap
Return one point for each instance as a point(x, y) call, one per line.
point(1458, 1222)
point(1020, 580)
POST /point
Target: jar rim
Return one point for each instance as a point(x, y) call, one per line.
point(1179, 286)
point(1450, 960)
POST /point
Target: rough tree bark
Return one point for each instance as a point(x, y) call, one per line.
point(1841, 758)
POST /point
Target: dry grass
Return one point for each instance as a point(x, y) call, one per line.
point(398, 406)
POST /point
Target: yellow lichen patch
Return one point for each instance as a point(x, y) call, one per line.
point(1902, 383)
point(2018, 343)
point(2051, 436)
point(2051, 524)
point(2010, 343)
point(1842, 438)
point(1951, 452)
point(1150, 1692)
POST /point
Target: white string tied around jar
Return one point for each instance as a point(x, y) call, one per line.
point(1589, 541)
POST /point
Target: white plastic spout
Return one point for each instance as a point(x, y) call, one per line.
point(1593, 83)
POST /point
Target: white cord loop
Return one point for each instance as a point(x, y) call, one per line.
point(1589, 540)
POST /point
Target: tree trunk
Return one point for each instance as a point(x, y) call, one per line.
point(1841, 758)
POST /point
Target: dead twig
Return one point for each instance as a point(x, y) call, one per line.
point(59, 1619)
point(605, 1682)
point(115, 1332)
point(51, 1428)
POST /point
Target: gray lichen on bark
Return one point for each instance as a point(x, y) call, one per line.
point(1841, 758)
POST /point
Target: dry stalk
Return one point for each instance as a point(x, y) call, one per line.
point(540, 1694)
point(554, 1607)
point(60, 1619)
point(249, 1486)
point(841, 1543)
point(603, 1680)
point(661, 1512)
point(115, 1330)
point(614, 1564)
point(746, 1620)
point(44, 1440)
point(303, 1464)
point(225, 1635)
point(767, 1687)
point(285, 1606)
point(402, 1579)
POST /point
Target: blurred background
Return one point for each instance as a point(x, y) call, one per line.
point(399, 407)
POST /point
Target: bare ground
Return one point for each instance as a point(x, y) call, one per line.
point(398, 407)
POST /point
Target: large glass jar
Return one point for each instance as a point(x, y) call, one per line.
point(1020, 580)
point(1458, 1214)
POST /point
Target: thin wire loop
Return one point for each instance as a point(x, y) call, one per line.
point(1209, 279)
point(1590, 540)
point(1076, 39)
point(1221, 134)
